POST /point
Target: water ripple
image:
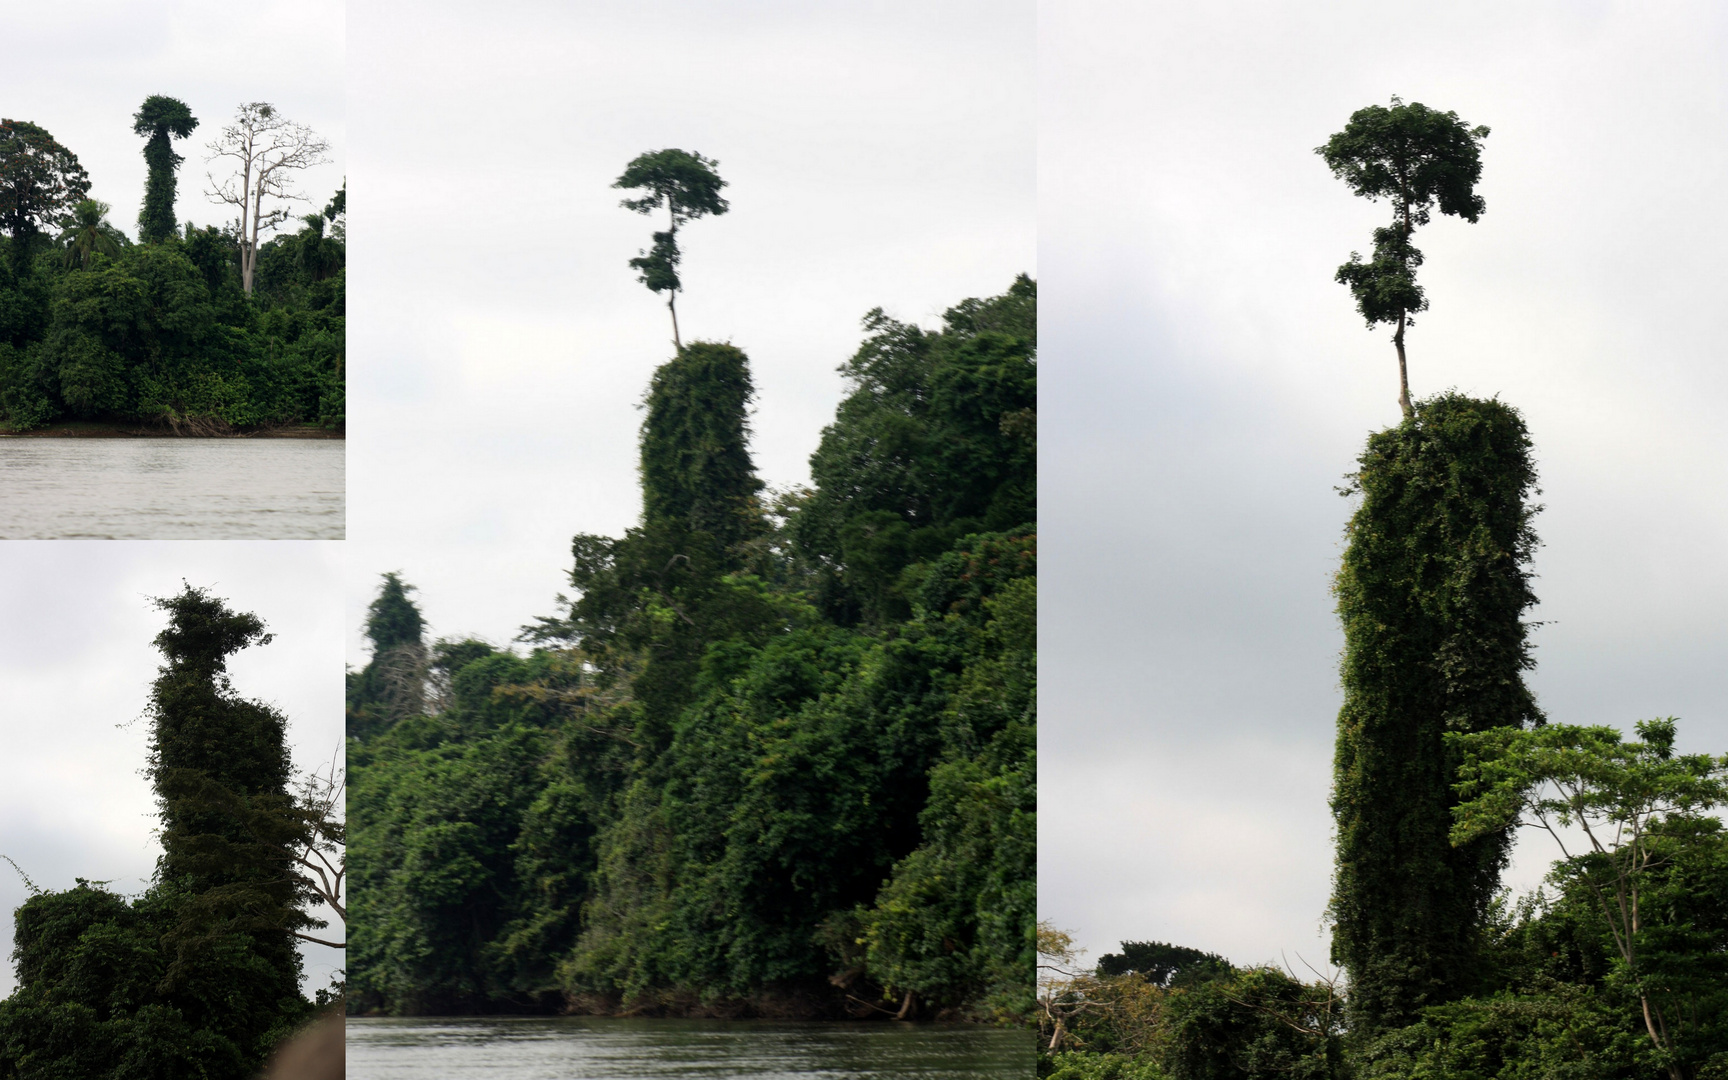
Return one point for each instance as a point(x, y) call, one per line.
point(594, 1048)
point(171, 489)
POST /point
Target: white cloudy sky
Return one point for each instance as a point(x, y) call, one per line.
point(1206, 385)
point(75, 619)
point(878, 154)
point(76, 663)
point(81, 68)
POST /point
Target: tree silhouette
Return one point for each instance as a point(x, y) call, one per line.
point(687, 187)
point(1417, 157)
point(162, 119)
point(40, 181)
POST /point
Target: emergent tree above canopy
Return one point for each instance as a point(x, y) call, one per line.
point(1418, 158)
point(162, 119)
point(687, 187)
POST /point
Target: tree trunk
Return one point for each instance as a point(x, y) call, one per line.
point(905, 1007)
point(672, 296)
point(248, 241)
point(1658, 1029)
point(1403, 371)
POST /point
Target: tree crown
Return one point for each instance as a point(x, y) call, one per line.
point(1411, 154)
point(202, 633)
point(160, 115)
point(684, 183)
point(39, 178)
point(392, 619)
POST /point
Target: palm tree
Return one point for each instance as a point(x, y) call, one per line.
point(91, 234)
point(319, 255)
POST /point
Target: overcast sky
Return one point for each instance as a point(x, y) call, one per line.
point(81, 68)
point(1206, 385)
point(76, 663)
point(876, 155)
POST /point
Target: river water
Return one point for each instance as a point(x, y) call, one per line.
point(171, 489)
point(600, 1048)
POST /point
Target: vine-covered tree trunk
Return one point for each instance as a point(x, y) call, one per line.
point(156, 220)
point(1431, 593)
point(221, 768)
point(696, 467)
point(199, 977)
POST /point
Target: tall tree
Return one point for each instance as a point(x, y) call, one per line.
point(163, 119)
point(1431, 593)
point(199, 976)
point(1416, 158)
point(686, 186)
point(40, 182)
point(221, 769)
point(392, 685)
point(267, 148)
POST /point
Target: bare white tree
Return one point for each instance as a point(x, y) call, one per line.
point(267, 149)
point(323, 857)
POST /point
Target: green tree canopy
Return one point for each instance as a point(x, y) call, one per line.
point(1164, 965)
point(1654, 861)
point(162, 119)
point(697, 794)
point(40, 182)
point(686, 186)
point(1417, 158)
point(393, 619)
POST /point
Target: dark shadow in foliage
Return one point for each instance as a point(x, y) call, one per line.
point(1257, 1024)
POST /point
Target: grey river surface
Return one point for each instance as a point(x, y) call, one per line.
point(171, 489)
point(600, 1048)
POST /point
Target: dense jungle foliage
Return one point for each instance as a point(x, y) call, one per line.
point(771, 759)
point(1617, 969)
point(199, 976)
point(159, 333)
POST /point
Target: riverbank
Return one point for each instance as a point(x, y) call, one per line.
point(98, 429)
